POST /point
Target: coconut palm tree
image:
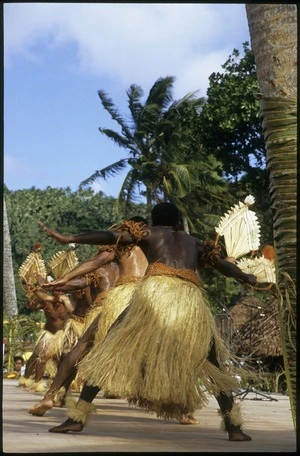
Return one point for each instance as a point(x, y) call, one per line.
point(155, 140)
point(9, 291)
point(273, 31)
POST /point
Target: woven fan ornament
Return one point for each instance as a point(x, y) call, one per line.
point(240, 229)
point(63, 262)
point(263, 268)
point(34, 264)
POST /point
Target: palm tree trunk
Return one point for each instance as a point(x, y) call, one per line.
point(273, 31)
point(9, 290)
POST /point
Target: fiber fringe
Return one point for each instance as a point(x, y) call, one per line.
point(79, 411)
point(117, 299)
point(60, 395)
point(73, 330)
point(91, 315)
point(26, 382)
point(48, 345)
point(235, 417)
point(38, 387)
point(158, 351)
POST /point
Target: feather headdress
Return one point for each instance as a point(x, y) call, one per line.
point(240, 229)
point(63, 262)
point(34, 264)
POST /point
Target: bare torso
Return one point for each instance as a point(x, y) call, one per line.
point(173, 248)
point(135, 264)
point(56, 316)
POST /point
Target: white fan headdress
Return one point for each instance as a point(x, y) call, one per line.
point(63, 262)
point(33, 264)
point(261, 267)
point(240, 229)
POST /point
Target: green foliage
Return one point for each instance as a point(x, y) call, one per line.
point(21, 333)
point(229, 122)
point(230, 129)
point(62, 210)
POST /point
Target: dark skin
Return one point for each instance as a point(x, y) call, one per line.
point(174, 248)
point(58, 307)
point(135, 265)
point(164, 244)
point(57, 310)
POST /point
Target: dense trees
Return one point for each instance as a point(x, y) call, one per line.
point(62, 209)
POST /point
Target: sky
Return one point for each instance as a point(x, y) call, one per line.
point(58, 55)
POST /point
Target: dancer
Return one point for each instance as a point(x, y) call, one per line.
point(57, 309)
point(161, 373)
point(132, 264)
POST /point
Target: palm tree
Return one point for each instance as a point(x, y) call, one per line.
point(273, 30)
point(9, 291)
point(155, 140)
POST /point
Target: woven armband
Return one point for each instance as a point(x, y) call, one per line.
point(210, 255)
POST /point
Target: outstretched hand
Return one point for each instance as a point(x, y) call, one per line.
point(55, 283)
point(63, 239)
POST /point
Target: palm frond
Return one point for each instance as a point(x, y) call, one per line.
point(106, 172)
point(161, 92)
point(110, 107)
point(120, 140)
point(135, 94)
point(127, 192)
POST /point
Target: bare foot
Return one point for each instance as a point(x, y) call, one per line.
point(41, 408)
point(188, 419)
point(68, 425)
point(238, 436)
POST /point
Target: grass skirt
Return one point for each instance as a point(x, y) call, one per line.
point(48, 345)
point(158, 352)
point(73, 330)
point(116, 300)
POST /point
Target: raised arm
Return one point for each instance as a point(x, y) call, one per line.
point(91, 237)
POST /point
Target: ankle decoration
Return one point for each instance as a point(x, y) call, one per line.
point(233, 419)
point(38, 387)
point(60, 394)
point(25, 382)
point(79, 411)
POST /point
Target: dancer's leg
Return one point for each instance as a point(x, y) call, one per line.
point(229, 409)
point(67, 369)
point(78, 413)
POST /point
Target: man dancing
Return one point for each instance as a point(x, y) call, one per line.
point(161, 373)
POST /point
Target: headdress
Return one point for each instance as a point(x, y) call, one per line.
point(240, 229)
point(33, 264)
point(63, 262)
point(262, 267)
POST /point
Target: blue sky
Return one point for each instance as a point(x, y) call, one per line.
point(58, 55)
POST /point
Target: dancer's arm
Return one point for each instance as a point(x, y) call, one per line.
point(85, 267)
point(91, 237)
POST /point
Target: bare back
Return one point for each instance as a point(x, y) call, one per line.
point(173, 248)
point(135, 264)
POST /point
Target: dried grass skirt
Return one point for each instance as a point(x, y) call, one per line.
point(157, 353)
point(116, 300)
